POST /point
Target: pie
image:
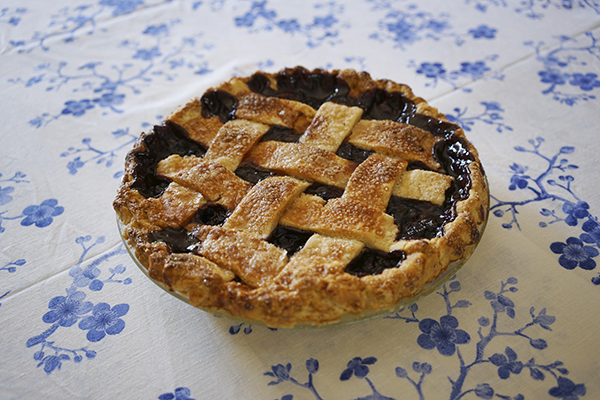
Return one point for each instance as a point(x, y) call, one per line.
point(300, 197)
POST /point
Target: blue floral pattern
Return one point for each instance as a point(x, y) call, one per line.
point(468, 71)
point(88, 153)
point(442, 335)
point(68, 22)
point(445, 336)
point(534, 9)
point(11, 268)
point(180, 393)
point(544, 187)
point(324, 27)
point(42, 215)
point(405, 25)
point(39, 215)
point(572, 53)
point(65, 311)
point(108, 87)
point(12, 16)
point(491, 115)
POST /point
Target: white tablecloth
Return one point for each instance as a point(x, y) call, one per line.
point(81, 80)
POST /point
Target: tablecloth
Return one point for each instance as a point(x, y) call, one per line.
point(80, 80)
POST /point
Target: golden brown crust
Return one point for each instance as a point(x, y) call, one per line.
point(396, 140)
point(303, 161)
point(234, 268)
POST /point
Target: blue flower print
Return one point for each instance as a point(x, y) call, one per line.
point(475, 69)
point(442, 335)
point(42, 215)
point(105, 320)
point(110, 100)
point(517, 181)
point(5, 196)
point(431, 70)
point(507, 364)
point(553, 76)
point(148, 54)
point(484, 391)
point(66, 310)
point(77, 108)
point(74, 165)
point(592, 232)
point(575, 212)
point(403, 32)
point(281, 372)
point(122, 6)
point(586, 82)
point(289, 26)
point(492, 106)
point(567, 389)
point(483, 31)
point(181, 393)
point(437, 26)
point(156, 30)
point(357, 366)
point(325, 22)
point(83, 277)
point(575, 254)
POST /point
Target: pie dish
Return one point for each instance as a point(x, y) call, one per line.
point(302, 198)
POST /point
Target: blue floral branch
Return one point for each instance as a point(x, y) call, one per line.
point(566, 54)
point(508, 362)
point(413, 308)
point(40, 216)
point(16, 178)
point(406, 25)
point(98, 156)
point(323, 28)
point(69, 22)
point(109, 83)
point(420, 368)
point(98, 320)
point(180, 393)
point(446, 337)
point(538, 184)
point(12, 17)
point(575, 251)
point(528, 7)
point(469, 71)
point(11, 268)
point(491, 115)
point(282, 374)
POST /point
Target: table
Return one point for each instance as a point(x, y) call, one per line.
point(81, 80)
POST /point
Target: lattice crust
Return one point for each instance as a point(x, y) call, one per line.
point(202, 228)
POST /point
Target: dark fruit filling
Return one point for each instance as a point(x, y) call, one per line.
point(373, 262)
point(288, 238)
point(415, 219)
point(178, 240)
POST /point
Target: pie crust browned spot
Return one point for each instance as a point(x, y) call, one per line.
point(302, 197)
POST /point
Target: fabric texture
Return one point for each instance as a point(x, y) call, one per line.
point(82, 80)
